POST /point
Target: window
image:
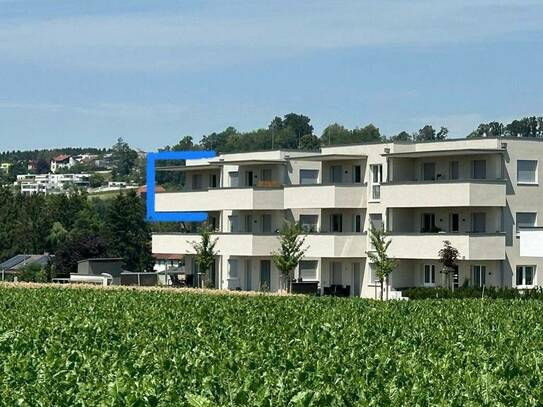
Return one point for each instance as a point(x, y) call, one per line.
point(309, 177)
point(335, 271)
point(266, 174)
point(455, 222)
point(429, 275)
point(248, 275)
point(234, 179)
point(526, 219)
point(309, 222)
point(308, 270)
point(196, 181)
point(336, 222)
point(357, 174)
point(234, 223)
point(454, 170)
point(429, 171)
point(527, 171)
point(428, 223)
point(478, 276)
point(478, 169)
point(376, 221)
point(212, 180)
point(376, 180)
point(266, 223)
point(249, 178)
point(357, 223)
point(213, 222)
point(478, 222)
point(525, 276)
point(233, 268)
point(336, 175)
point(249, 223)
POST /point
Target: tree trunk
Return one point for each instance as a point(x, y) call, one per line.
point(382, 288)
point(387, 287)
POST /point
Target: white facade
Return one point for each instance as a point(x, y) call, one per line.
point(50, 183)
point(474, 193)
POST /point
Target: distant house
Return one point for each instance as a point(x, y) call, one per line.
point(4, 168)
point(32, 165)
point(12, 267)
point(62, 161)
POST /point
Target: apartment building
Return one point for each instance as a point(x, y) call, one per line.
point(476, 193)
point(51, 183)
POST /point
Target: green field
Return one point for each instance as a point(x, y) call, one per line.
point(75, 347)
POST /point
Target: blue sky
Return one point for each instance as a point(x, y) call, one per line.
point(82, 73)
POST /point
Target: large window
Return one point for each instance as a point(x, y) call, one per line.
point(357, 223)
point(196, 181)
point(266, 223)
point(335, 271)
point(308, 270)
point(336, 222)
point(454, 171)
point(309, 176)
point(429, 171)
point(336, 174)
point(309, 222)
point(525, 276)
point(376, 221)
point(357, 174)
point(478, 276)
point(429, 275)
point(527, 171)
point(478, 169)
point(266, 174)
point(233, 268)
point(526, 219)
point(478, 222)
point(213, 181)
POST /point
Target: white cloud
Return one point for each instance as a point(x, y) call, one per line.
point(243, 31)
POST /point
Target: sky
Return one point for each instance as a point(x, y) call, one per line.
point(85, 72)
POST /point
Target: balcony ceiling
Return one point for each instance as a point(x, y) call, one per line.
point(248, 161)
point(442, 153)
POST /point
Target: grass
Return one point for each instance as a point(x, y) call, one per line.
point(75, 347)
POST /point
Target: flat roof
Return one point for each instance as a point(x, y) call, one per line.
point(189, 167)
point(250, 161)
point(330, 157)
point(435, 153)
point(104, 259)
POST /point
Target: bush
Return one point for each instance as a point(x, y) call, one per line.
point(33, 273)
point(423, 293)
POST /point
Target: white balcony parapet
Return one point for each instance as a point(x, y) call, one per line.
point(246, 244)
point(444, 194)
point(426, 246)
point(220, 199)
point(326, 196)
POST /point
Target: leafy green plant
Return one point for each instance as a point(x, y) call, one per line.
point(205, 253)
point(383, 264)
point(291, 251)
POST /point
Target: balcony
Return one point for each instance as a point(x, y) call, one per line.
point(246, 244)
point(427, 246)
point(220, 199)
point(443, 194)
point(326, 196)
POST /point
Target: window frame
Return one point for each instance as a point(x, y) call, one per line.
point(517, 226)
point(523, 271)
point(473, 163)
point(314, 277)
point(536, 178)
point(482, 275)
point(432, 275)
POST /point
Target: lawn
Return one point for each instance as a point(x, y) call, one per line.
point(75, 347)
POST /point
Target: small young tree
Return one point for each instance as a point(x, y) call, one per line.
point(448, 255)
point(290, 251)
point(384, 265)
point(205, 251)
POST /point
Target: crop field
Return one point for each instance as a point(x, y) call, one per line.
point(89, 347)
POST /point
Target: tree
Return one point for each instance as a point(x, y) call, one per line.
point(123, 159)
point(309, 142)
point(127, 233)
point(77, 247)
point(384, 265)
point(402, 136)
point(442, 133)
point(448, 255)
point(205, 251)
point(492, 129)
point(33, 273)
point(290, 251)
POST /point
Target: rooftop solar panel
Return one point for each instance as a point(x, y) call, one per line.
point(14, 261)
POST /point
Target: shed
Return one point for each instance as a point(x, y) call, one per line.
point(111, 265)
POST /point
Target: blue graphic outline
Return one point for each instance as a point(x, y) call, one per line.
point(152, 214)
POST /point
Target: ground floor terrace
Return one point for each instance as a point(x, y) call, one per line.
point(353, 276)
